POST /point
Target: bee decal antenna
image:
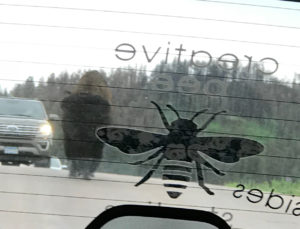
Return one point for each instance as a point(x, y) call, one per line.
point(162, 115)
point(210, 120)
point(198, 113)
point(173, 109)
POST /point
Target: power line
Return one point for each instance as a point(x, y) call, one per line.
point(96, 198)
point(164, 109)
point(148, 33)
point(177, 92)
point(137, 51)
point(126, 182)
point(140, 202)
point(205, 169)
point(43, 213)
point(251, 5)
point(144, 70)
point(150, 164)
point(208, 113)
point(156, 127)
point(202, 94)
point(206, 132)
point(149, 14)
point(183, 111)
point(232, 209)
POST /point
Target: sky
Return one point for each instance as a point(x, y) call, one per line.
point(40, 37)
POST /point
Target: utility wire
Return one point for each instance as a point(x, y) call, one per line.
point(147, 33)
point(150, 14)
point(148, 71)
point(205, 169)
point(130, 201)
point(252, 5)
point(177, 92)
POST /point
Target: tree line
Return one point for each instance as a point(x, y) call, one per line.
point(258, 106)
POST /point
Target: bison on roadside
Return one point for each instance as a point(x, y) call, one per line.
point(84, 109)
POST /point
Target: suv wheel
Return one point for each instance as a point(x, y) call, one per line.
point(43, 162)
point(10, 163)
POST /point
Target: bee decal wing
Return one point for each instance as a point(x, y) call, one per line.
point(226, 149)
point(130, 141)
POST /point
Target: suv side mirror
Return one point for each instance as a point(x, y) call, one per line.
point(153, 217)
point(53, 117)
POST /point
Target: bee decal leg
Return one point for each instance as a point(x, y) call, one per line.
point(199, 159)
point(217, 171)
point(201, 179)
point(152, 156)
point(209, 121)
point(151, 171)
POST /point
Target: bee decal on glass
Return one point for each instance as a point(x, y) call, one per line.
point(180, 149)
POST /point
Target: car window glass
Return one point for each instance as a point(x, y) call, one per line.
point(185, 103)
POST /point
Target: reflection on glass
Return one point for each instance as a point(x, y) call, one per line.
point(137, 222)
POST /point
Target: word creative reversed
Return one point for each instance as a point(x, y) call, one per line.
point(228, 61)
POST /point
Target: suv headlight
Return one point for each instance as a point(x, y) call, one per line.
point(46, 129)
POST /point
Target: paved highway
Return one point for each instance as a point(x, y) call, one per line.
point(44, 198)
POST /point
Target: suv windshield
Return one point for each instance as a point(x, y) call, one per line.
point(24, 108)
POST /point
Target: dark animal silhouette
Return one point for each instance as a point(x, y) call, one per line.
point(87, 107)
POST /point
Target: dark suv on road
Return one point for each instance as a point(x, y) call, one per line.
point(25, 133)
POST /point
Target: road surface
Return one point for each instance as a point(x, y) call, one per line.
point(44, 198)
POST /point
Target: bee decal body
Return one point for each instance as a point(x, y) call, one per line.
point(180, 149)
point(176, 175)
